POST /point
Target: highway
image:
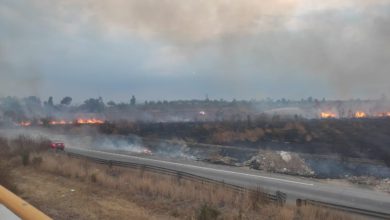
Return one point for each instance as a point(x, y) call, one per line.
point(294, 187)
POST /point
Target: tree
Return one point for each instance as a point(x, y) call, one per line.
point(133, 100)
point(66, 100)
point(50, 101)
point(93, 105)
point(12, 108)
point(111, 103)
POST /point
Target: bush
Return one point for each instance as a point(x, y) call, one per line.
point(23, 144)
point(36, 161)
point(93, 178)
point(5, 177)
point(175, 213)
point(25, 157)
point(4, 147)
point(206, 212)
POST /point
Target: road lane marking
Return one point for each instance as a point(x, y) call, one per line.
point(197, 167)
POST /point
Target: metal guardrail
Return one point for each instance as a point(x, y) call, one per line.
point(278, 197)
point(20, 207)
point(363, 212)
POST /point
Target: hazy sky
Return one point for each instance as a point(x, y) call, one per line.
point(179, 49)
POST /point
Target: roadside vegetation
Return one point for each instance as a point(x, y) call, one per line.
point(17, 152)
point(98, 189)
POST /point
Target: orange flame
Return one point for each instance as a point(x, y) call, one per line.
point(24, 123)
point(328, 115)
point(383, 114)
point(360, 115)
point(60, 122)
point(89, 121)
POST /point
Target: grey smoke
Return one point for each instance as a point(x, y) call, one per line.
point(235, 47)
point(345, 44)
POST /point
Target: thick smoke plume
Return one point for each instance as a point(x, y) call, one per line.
point(342, 43)
point(345, 43)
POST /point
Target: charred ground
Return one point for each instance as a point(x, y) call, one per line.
point(367, 138)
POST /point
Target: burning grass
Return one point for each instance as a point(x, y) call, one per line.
point(78, 121)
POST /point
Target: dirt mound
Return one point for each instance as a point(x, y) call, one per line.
point(280, 162)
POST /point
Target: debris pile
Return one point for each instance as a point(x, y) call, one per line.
point(379, 184)
point(280, 162)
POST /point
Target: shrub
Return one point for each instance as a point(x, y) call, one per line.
point(23, 144)
point(25, 157)
point(207, 212)
point(175, 213)
point(93, 178)
point(5, 177)
point(4, 147)
point(36, 161)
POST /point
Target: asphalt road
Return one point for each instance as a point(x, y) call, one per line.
point(294, 187)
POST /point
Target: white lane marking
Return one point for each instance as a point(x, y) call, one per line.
point(198, 167)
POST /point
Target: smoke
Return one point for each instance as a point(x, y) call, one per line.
point(343, 43)
point(191, 21)
point(349, 50)
point(21, 79)
point(86, 138)
point(198, 21)
point(16, 82)
point(90, 138)
point(233, 44)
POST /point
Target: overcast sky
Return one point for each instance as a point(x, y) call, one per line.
point(184, 49)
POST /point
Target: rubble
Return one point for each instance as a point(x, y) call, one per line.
point(280, 162)
point(384, 185)
point(379, 184)
point(217, 159)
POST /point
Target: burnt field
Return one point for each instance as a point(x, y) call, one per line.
point(366, 138)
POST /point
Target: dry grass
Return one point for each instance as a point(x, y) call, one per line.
point(158, 192)
point(15, 152)
point(5, 176)
point(64, 198)
point(172, 196)
point(5, 168)
point(123, 193)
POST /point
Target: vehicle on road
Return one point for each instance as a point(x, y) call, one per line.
point(57, 145)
